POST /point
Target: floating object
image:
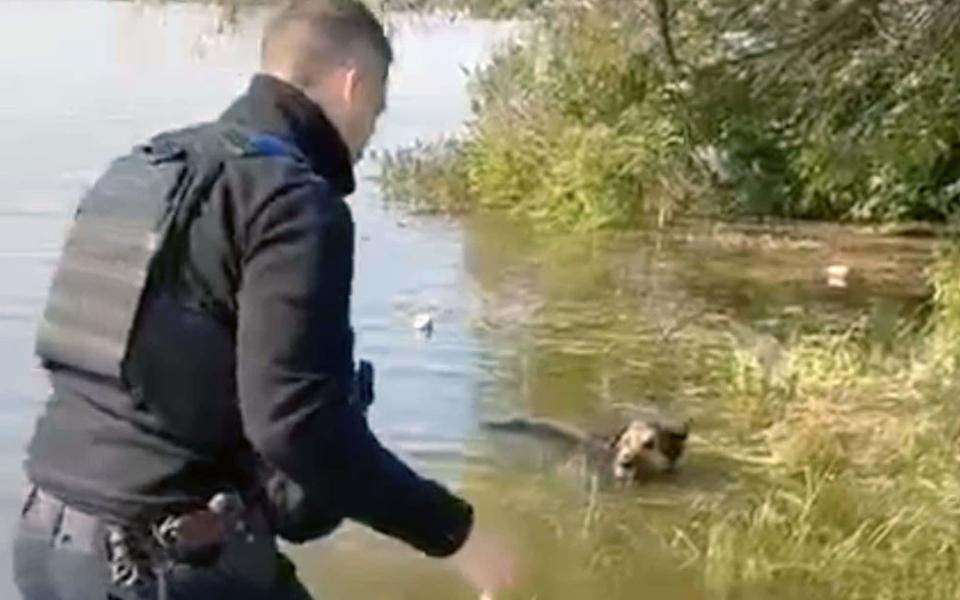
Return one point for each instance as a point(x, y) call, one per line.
point(423, 323)
point(837, 275)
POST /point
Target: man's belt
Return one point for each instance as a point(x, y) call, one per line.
point(135, 552)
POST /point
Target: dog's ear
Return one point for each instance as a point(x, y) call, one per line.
point(683, 431)
point(614, 439)
point(678, 431)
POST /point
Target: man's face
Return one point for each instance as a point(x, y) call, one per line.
point(364, 100)
point(373, 102)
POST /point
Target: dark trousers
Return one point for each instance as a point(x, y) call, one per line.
point(61, 554)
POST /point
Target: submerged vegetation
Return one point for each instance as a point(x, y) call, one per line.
point(861, 457)
point(861, 452)
point(827, 467)
point(611, 114)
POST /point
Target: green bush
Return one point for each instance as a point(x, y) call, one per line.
point(437, 167)
point(580, 139)
point(806, 110)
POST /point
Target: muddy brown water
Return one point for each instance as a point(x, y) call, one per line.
point(580, 328)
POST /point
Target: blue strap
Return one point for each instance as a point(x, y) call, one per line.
point(266, 144)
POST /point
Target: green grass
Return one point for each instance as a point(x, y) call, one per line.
point(860, 479)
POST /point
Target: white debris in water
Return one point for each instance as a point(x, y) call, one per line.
point(837, 275)
point(423, 323)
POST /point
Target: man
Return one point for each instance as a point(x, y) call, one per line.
point(200, 353)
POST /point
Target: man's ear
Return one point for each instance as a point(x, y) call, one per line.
point(351, 85)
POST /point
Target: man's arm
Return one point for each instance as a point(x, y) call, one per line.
point(295, 366)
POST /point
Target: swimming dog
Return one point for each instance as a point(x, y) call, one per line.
point(639, 450)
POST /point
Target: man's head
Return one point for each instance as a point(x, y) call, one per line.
point(337, 53)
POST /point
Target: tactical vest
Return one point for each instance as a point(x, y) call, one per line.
point(121, 228)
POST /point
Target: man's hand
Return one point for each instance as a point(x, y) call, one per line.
point(487, 564)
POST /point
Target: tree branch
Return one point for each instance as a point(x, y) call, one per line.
point(662, 11)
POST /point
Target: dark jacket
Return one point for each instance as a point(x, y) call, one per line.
point(266, 263)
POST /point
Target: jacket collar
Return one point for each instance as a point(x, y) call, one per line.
point(276, 107)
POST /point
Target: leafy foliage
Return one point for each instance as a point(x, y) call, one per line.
point(605, 114)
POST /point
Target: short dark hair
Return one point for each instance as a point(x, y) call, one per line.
point(334, 28)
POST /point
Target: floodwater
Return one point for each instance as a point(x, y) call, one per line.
point(578, 328)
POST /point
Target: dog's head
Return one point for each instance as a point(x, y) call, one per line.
point(647, 448)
